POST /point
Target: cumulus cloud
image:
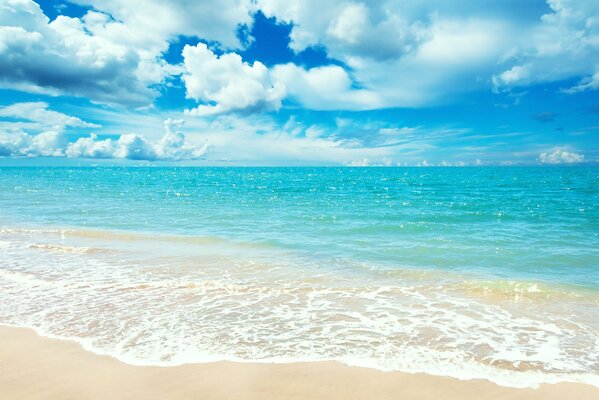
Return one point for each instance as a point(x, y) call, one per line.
point(227, 83)
point(414, 53)
point(448, 61)
point(47, 144)
point(560, 156)
point(349, 29)
point(64, 57)
point(114, 53)
point(16, 142)
point(393, 53)
point(396, 53)
point(173, 146)
point(91, 147)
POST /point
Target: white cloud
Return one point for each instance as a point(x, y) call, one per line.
point(114, 53)
point(48, 144)
point(587, 83)
point(258, 140)
point(364, 162)
point(400, 54)
point(395, 53)
point(90, 147)
point(563, 44)
point(227, 83)
point(348, 29)
point(560, 155)
point(173, 146)
point(150, 23)
point(39, 114)
point(324, 88)
point(64, 57)
point(414, 53)
point(261, 140)
point(512, 76)
point(15, 141)
point(446, 163)
point(350, 24)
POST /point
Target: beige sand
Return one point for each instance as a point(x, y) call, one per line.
point(33, 367)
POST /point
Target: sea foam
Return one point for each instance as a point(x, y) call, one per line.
point(144, 303)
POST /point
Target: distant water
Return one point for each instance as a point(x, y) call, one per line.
point(467, 272)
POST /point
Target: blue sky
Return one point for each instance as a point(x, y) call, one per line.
point(273, 82)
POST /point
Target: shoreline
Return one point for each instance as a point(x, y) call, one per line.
point(36, 367)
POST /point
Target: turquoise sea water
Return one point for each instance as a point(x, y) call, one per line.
point(469, 272)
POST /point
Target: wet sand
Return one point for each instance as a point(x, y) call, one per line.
point(34, 367)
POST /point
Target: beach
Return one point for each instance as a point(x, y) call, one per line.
point(376, 279)
point(33, 367)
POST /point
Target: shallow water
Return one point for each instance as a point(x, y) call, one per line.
point(467, 272)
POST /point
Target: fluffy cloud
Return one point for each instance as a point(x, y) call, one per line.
point(173, 146)
point(393, 53)
point(447, 62)
point(227, 140)
point(40, 132)
point(323, 88)
point(564, 44)
point(414, 53)
point(397, 53)
point(90, 147)
point(560, 156)
point(151, 23)
point(37, 115)
point(516, 74)
point(65, 57)
point(227, 83)
point(348, 29)
point(47, 144)
point(114, 52)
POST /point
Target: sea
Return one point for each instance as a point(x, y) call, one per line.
point(474, 273)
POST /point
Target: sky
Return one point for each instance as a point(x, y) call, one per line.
point(289, 82)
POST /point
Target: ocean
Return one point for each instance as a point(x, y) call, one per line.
point(486, 272)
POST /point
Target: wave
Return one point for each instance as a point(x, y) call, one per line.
point(132, 236)
point(66, 249)
point(525, 375)
point(519, 291)
point(169, 305)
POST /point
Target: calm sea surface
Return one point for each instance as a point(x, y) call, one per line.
point(468, 272)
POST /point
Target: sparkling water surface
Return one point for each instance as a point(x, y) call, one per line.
point(494, 270)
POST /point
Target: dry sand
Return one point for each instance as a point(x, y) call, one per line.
point(34, 367)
